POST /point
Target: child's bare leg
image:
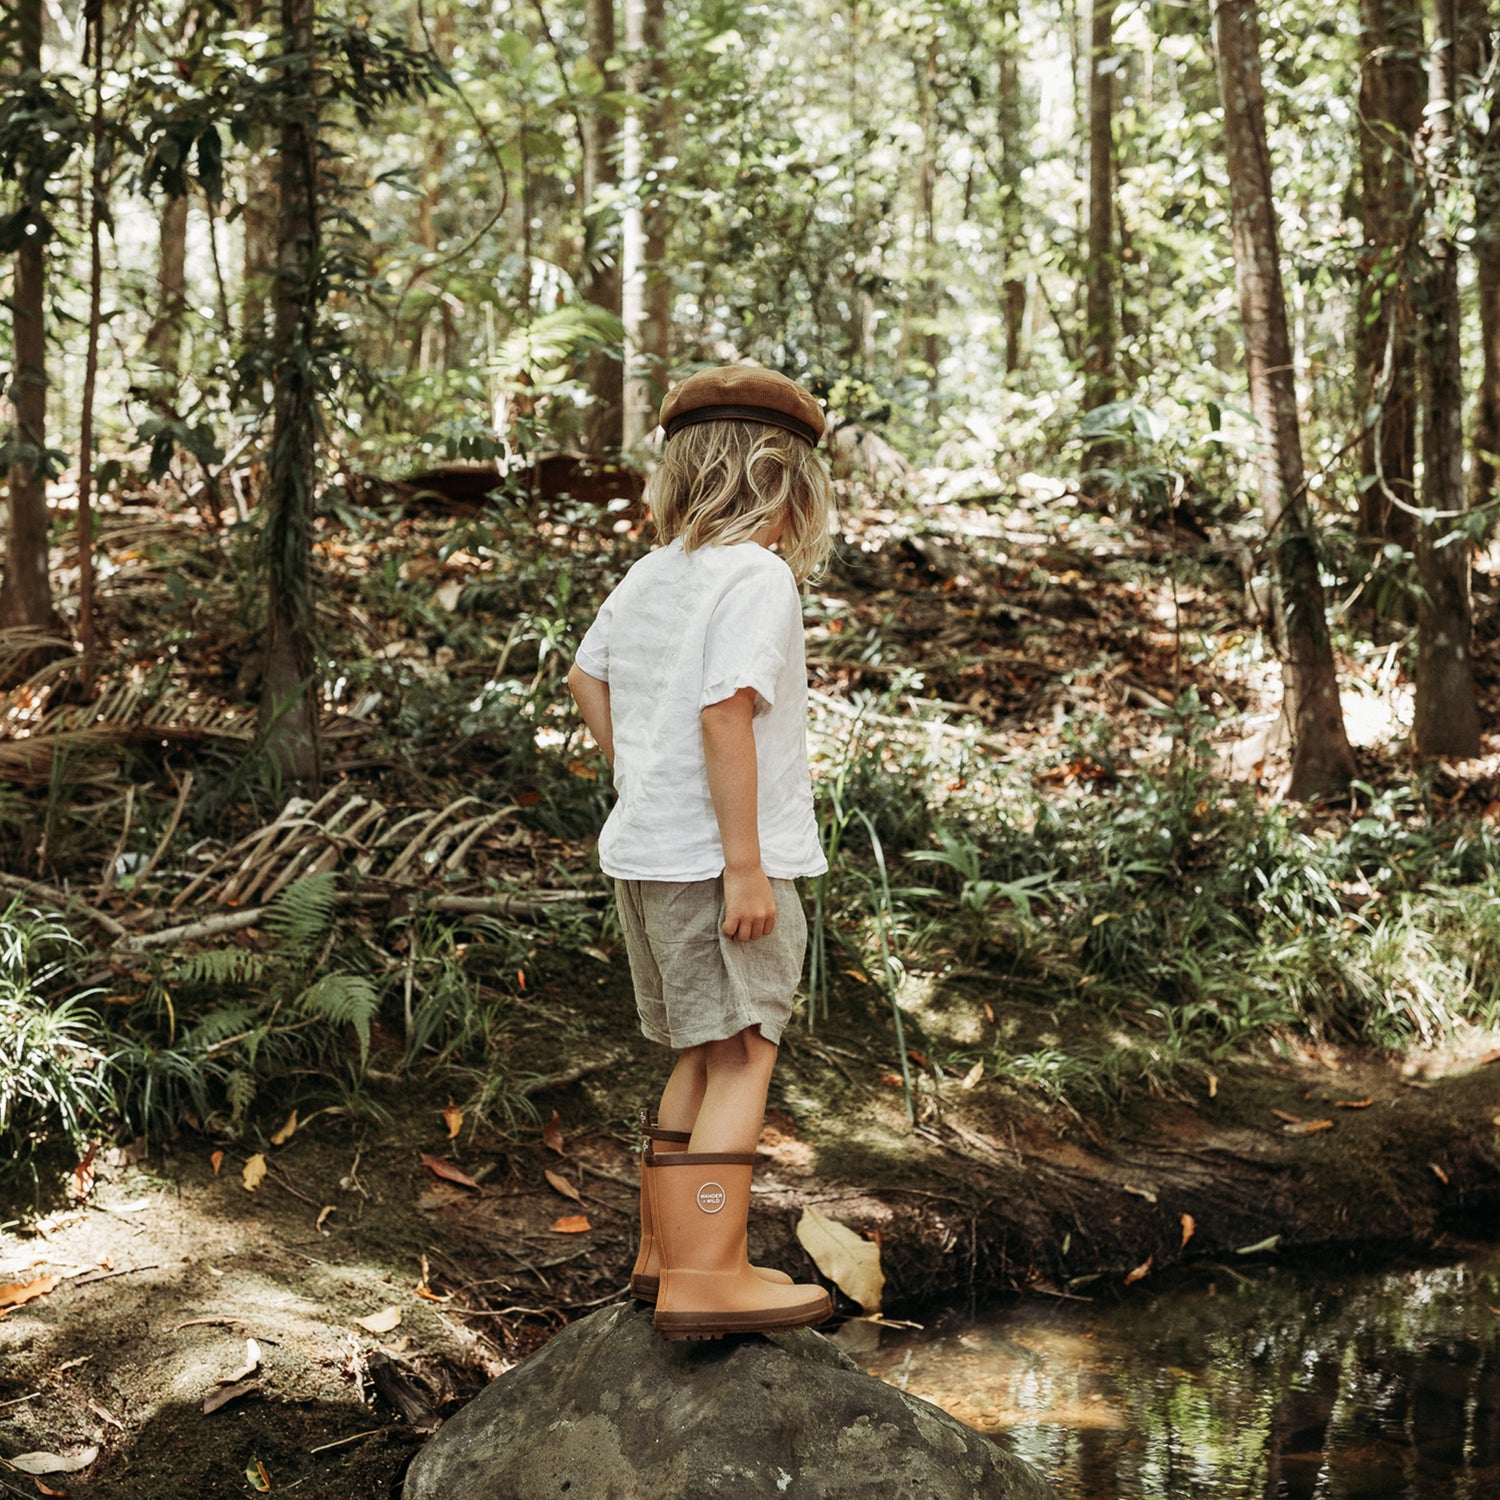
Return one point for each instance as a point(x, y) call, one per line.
point(733, 1104)
point(681, 1098)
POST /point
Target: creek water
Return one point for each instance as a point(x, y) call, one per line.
point(1312, 1382)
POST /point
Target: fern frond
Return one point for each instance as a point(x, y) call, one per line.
point(302, 915)
point(216, 1025)
point(239, 1090)
point(346, 1000)
point(219, 967)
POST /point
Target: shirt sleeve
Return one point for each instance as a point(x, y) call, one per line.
point(593, 649)
point(749, 634)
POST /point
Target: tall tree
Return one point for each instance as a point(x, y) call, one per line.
point(288, 707)
point(1445, 714)
point(1101, 382)
point(602, 372)
point(26, 590)
point(1010, 129)
point(1479, 62)
point(164, 339)
point(646, 289)
point(1392, 92)
point(1322, 762)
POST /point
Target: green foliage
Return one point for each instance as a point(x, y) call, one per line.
point(216, 1029)
point(53, 1085)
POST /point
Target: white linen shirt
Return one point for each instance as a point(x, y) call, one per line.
point(684, 630)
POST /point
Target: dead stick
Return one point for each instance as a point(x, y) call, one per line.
point(110, 1275)
point(62, 901)
point(354, 1438)
point(571, 1075)
point(166, 838)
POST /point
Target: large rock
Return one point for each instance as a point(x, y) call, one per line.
point(608, 1410)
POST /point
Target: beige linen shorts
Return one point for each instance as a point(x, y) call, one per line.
point(693, 984)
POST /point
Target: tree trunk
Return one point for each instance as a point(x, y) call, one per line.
point(1322, 763)
point(599, 279)
point(94, 50)
point(258, 220)
point(1391, 98)
point(927, 168)
point(164, 341)
point(1013, 232)
point(1480, 62)
point(26, 590)
point(646, 292)
point(1445, 717)
point(1101, 381)
point(288, 706)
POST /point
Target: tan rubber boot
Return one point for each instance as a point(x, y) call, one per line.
point(707, 1287)
point(643, 1278)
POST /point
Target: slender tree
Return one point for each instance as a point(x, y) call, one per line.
point(1445, 715)
point(1322, 762)
point(26, 589)
point(1392, 93)
point(1481, 63)
point(646, 290)
point(600, 279)
point(288, 707)
point(164, 339)
point(1101, 381)
point(1011, 131)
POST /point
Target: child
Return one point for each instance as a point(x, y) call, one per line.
point(693, 682)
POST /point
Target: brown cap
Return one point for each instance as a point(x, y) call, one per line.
point(744, 393)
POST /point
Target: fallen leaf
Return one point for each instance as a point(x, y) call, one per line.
point(1213, 1085)
point(1103, 917)
point(54, 1463)
point(453, 1118)
point(572, 1224)
point(1285, 1118)
point(46, 1489)
point(254, 1173)
point(1442, 1176)
point(83, 1174)
point(1489, 1057)
point(381, 1322)
point(847, 1259)
point(225, 1394)
point(425, 1290)
point(1140, 1273)
point(1352, 1103)
point(1140, 1192)
point(1259, 1246)
point(858, 974)
point(989, 1012)
point(521, 979)
point(552, 1134)
point(1189, 1224)
point(1307, 1127)
point(14, 1293)
point(323, 1214)
point(973, 1075)
point(893, 1079)
point(255, 1472)
point(251, 1365)
point(216, 1161)
point(563, 1186)
point(449, 1173)
point(597, 954)
point(287, 1131)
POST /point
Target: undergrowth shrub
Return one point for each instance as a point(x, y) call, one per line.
point(53, 1084)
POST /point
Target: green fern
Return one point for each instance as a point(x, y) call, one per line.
point(302, 915)
point(239, 1091)
point(216, 1025)
point(345, 1000)
point(219, 967)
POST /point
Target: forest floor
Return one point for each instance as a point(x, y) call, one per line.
point(468, 1239)
point(171, 1267)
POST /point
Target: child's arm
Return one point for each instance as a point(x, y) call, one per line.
point(592, 697)
point(729, 753)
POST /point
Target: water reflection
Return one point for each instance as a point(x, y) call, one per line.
point(1240, 1383)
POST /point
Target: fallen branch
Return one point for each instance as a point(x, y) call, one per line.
point(573, 1074)
point(62, 901)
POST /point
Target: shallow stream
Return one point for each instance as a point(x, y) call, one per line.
point(1308, 1383)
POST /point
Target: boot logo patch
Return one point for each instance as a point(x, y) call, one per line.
point(711, 1197)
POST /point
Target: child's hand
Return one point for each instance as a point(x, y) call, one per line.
point(749, 905)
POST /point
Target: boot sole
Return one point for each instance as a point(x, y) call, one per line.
point(689, 1325)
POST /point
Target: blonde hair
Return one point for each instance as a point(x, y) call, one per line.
point(719, 482)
